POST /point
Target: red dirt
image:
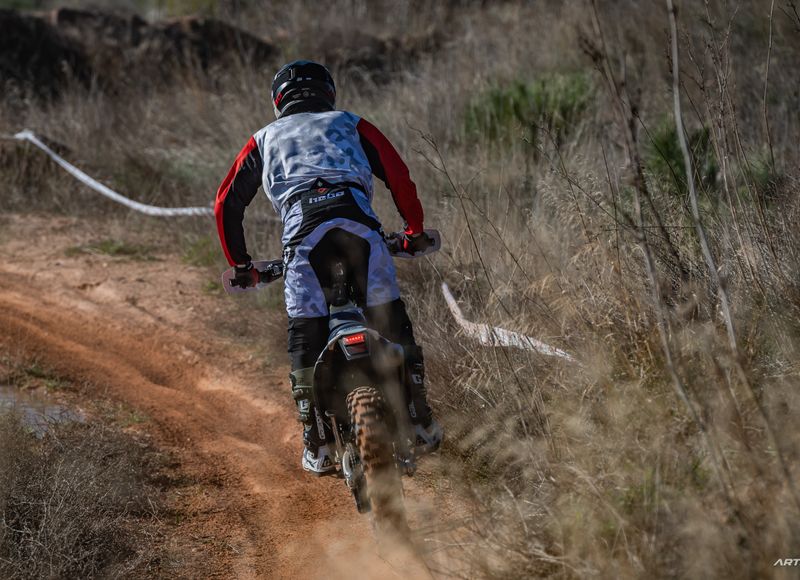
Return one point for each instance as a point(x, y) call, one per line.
point(115, 326)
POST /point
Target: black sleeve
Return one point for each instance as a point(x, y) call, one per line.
point(233, 196)
point(374, 159)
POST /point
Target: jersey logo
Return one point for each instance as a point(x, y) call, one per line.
point(326, 197)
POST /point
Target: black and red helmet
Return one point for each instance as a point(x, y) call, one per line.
point(305, 85)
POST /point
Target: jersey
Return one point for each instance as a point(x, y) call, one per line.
point(289, 155)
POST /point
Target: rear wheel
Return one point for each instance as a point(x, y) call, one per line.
point(384, 488)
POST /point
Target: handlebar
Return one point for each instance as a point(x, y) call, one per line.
point(274, 269)
point(270, 273)
point(394, 242)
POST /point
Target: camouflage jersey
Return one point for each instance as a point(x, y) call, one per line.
point(316, 169)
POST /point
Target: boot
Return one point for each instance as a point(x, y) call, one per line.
point(317, 457)
point(429, 432)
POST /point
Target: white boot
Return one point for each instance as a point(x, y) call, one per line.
point(320, 462)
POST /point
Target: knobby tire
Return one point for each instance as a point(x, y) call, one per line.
point(384, 487)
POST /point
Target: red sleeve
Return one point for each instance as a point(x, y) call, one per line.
point(233, 196)
point(387, 165)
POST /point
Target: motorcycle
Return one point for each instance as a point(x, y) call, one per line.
point(358, 389)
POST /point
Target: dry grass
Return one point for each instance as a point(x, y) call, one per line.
point(75, 503)
point(83, 494)
point(598, 469)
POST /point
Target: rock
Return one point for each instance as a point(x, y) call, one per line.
point(375, 55)
point(35, 58)
point(185, 42)
point(41, 53)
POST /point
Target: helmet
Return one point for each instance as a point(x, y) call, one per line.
point(302, 84)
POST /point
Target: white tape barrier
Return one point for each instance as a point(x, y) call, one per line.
point(492, 336)
point(109, 193)
point(485, 334)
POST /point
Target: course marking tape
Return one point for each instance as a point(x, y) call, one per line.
point(109, 193)
point(485, 334)
point(492, 336)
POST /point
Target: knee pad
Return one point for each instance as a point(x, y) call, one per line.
point(303, 392)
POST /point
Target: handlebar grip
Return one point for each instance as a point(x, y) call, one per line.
point(393, 243)
point(245, 282)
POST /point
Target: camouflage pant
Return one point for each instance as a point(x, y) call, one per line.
point(372, 285)
point(365, 255)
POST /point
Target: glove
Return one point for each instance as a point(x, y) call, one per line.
point(245, 276)
point(413, 243)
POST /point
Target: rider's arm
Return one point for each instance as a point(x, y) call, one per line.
point(233, 196)
point(388, 166)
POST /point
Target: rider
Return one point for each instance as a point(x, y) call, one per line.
point(316, 165)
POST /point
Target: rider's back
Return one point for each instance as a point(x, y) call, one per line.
point(299, 149)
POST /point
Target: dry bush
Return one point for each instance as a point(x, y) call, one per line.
point(75, 503)
point(599, 469)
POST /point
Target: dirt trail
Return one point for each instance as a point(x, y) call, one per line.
point(119, 328)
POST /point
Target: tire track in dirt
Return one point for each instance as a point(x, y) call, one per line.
point(229, 425)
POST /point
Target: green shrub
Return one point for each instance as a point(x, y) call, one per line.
point(213, 287)
point(765, 178)
point(663, 158)
point(554, 102)
point(115, 249)
point(200, 251)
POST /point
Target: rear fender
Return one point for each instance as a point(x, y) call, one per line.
point(337, 372)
